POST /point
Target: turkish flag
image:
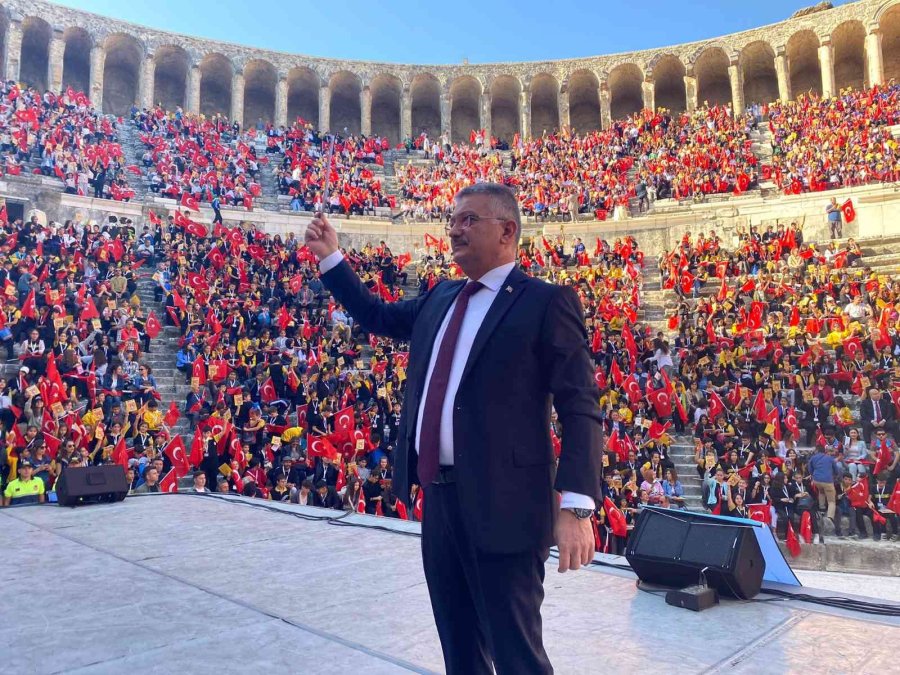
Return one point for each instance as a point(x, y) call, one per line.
point(615, 518)
point(169, 482)
point(196, 229)
point(301, 416)
point(171, 417)
point(853, 346)
point(52, 443)
point(793, 544)
point(361, 504)
point(198, 370)
point(656, 429)
point(761, 513)
point(178, 301)
point(661, 400)
point(189, 202)
point(616, 374)
point(894, 502)
point(267, 392)
point(419, 505)
point(319, 446)
point(883, 459)
point(345, 421)
point(633, 389)
point(29, 309)
point(806, 527)
point(790, 422)
point(848, 211)
point(177, 454)
point(120, 454)
point(152, 327)
point(197, 448)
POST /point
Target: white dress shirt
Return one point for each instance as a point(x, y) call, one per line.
point(479, 304)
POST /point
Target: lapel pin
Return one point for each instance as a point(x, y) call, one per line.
point(509, 289)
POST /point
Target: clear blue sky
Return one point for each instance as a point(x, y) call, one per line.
point(426, 31)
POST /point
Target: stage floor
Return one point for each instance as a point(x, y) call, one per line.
point(178, 582)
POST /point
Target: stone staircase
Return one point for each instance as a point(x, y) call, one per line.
point(129, 139)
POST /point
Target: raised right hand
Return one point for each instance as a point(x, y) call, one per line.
point(321, 237)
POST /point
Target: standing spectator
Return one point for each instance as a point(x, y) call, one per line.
point(824, 469)
point(835, 221)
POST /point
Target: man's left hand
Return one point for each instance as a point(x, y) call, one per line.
point(575, 541)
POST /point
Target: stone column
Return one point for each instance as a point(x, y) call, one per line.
point(55, 55)
point(782, 72)
point(281, 102)
point(406, 130)
point(98, 61)
point(325, 108)
point(525, 113)
point(605, 110)
point(145, 82)
point(563, 105)
point(690, 93)
point(648, 89)
point(237, 98)
point(737, 88)
point(365, 111)
point(874, 58)
point(13, 50)
point(826, 63)
point(446, 110)
point(486, 116)
point(192, 94)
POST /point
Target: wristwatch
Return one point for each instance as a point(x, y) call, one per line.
point(581, 514)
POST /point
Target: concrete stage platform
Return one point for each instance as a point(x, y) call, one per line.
point(169, 583)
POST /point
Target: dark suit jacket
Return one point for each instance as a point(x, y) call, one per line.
point(531, 351)
point(867, 411)
point(332, 499)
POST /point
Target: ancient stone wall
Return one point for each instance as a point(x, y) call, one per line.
point(123, 64)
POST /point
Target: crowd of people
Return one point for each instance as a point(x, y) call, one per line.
point(819, 144)
point(66, 137)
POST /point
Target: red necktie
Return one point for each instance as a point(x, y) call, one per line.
point(430, 436)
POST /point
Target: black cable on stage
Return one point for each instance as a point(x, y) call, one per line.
point(837, 602)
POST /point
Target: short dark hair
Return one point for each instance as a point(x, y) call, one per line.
point(503, 199)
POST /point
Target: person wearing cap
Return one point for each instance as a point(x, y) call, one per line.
point(26, 489)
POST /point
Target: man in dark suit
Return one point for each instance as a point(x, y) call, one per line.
point(326, 497)
point(327, 471)
point(875, 413)
point(488, 358)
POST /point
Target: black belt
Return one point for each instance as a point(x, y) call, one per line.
point(445, 474)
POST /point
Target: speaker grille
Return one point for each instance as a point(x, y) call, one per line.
point(710, 545)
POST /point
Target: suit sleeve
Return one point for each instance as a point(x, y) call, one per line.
point(394, 320)
point(575, 396)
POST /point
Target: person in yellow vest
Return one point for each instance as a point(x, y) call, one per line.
point(26, 489)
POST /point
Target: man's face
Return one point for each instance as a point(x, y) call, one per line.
point(25, 473)
point(200, 480)
point(485, 239)
point(152, 476)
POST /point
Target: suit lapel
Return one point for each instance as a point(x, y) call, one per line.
point(509, 292)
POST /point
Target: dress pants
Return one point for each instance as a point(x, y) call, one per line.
point(487, 607)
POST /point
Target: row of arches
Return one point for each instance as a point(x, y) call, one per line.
point(716, 74)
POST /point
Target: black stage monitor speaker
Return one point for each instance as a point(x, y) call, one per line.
point(671, 548)
point(91, 485)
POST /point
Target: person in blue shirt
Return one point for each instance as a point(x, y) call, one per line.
point(823, 468)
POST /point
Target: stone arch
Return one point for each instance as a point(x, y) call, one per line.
point(465, 103)
point(889, 23)
point(77, 59)
point(346, 112)
point(668, 83)
point(626, 96)
point(216, 73)
point(584, 101)
point(803, 62)
point(425, 101)
point(506, 96)
point(170, 76)
point(849, 44)
point(36, 35)
point(713, 83)
point(259, 92)
point(758, 73)
point(121, 73)
point(544, 104)
point(385, 89)
point(303, 95)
